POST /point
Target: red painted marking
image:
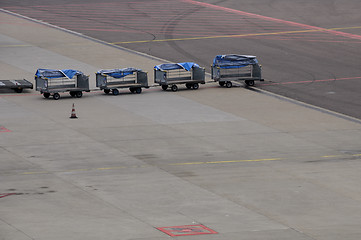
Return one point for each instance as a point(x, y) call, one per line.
point(6, 194)
point(349, 35)
point(312, 81)
point(3, 129)
point(187, 230)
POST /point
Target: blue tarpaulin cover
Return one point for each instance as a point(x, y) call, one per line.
point(118, 73)
point(171, 66)
point(52, 73)
point(234, 61)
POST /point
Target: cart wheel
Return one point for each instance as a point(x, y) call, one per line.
point(221, 84)
point(228, 84)
point(138, 90)
point(195, 86)
point(164, 87)
point(115, 91)
point(174, 88)
point(188, 85)
point(72, 94)
point(46, 95)
point(79, 94)
point(18, 90)
point(56, 96)
point(106, 91)
point(249, 82)
point(131, 90)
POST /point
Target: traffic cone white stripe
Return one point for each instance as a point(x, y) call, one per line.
point(73, 114)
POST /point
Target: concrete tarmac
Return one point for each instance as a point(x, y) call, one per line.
point(243, 162)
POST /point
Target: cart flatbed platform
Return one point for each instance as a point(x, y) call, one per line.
point(16, 85)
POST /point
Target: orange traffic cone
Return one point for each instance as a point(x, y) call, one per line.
point(73, 115)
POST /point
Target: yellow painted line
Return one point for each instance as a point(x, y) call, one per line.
point(29, 173)
point(345, 155)
point(109, 168)
point(180, 164)
point(331, 156)
point(231, 161)
point(237, 35)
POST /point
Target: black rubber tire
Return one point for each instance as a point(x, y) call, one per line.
point(72, 93)
point(106, 91)
point(78, 94)
point(228, 84)
point(164, 87)
point(249, 82)
point(195, 86)
point(221, 84)
point(174, 88)
point(138, 90)
point(18, 90)
point(115, 91)
point(46, 95)
point(132, 90)
point(56, 96)
point(188, 85)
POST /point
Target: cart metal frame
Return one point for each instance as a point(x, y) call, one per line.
point(52, 82)
point(111, 80)
point(187, 73)
point(232, 67)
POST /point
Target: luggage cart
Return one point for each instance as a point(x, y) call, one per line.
point(16, 85)
point(52, 82)
point(111, 80)
point(234, 67)
point(187, 73)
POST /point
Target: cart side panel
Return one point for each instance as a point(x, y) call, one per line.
point(101, 81)
point(61, 83)
point(176, 75)
point(83, 82)
point(236, 73)
point(215, 73)
point(199, 74)
point(142, 78)
point(160, 77)
point(41, 84)
point(257, 71)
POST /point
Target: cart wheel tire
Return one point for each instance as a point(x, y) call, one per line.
point(79, 94)
point(164, 87)
point(72, 94)
point(250, 82)
point(46, 95)
point(221, 84)
point(18, 90)
point(138, 90)
point(228, 84)
point(56, 96)
point(188, 85)
point(174, 88)
point(195, 86)
point(106, 91)
point(115, 91)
